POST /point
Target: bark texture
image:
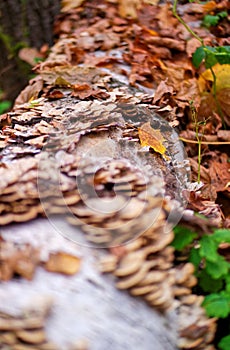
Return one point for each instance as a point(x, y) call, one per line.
point(22, 22)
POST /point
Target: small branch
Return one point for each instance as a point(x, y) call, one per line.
point(205, 142)
point(184, 24)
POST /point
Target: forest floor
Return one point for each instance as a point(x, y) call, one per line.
point(147, 47)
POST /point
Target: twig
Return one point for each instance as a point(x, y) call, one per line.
point(205, 142)
point(184, 24)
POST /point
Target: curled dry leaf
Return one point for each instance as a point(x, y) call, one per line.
point(29, 55)
point(54, 95)
point(31, 92)
point(152, 138)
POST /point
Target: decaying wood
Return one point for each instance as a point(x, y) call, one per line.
point(71, 152)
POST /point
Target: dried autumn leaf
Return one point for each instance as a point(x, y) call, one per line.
point(128, 8)
point(84, 91)
point(4, 120)
point(222, 73)
point(209, 6)
point(67, 5)
point(54, 95)
point(63, 263)
point(60, 81)
point(152, 138)
point(29, 55)
point(151, 2)
point(224, 100)
point(31, 91)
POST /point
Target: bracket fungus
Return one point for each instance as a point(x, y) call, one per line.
point(146, 270)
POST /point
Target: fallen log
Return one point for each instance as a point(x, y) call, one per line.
point(89, 152)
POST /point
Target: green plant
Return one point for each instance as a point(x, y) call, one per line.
point(4, 106)
point(224, 344)
point(207, 54)
point(213, 20)
point(199, 135)
point(212, 270)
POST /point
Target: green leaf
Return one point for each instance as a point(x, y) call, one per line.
point(224, 344)
point(223, 54)
point(198, 56)
point(217, 305)
point(217, 269)
point(227, 283)
point(208, 249)
point(183, 237)
point(194, 257)
point(209, 284)
point(213, 20)
point(210, 20)
point(210, 59)
point(222, 235)
point(215, 55)
point(223, 14)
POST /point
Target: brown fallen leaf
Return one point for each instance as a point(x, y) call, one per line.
point(5, 120)
point(54, 95)
point(128, 8)
point(83, 91)
point(29, 55)
point(30, 92)
point(152, 138)
point(161, 90)
point(63, 263)
point(67, 5)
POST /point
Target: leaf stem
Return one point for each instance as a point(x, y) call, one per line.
point(184, 24)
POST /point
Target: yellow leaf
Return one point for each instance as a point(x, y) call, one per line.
point(63, 263)
point(209, 6)
point(152, 138)
point(222, 73)
point(60, 81)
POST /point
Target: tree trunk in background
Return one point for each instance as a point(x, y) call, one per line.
point(22, 22)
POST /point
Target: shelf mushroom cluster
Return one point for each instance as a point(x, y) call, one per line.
point(25, 329)
point(145, 268)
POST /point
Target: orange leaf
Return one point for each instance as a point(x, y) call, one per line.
point(152, 138)
point(209, 6)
